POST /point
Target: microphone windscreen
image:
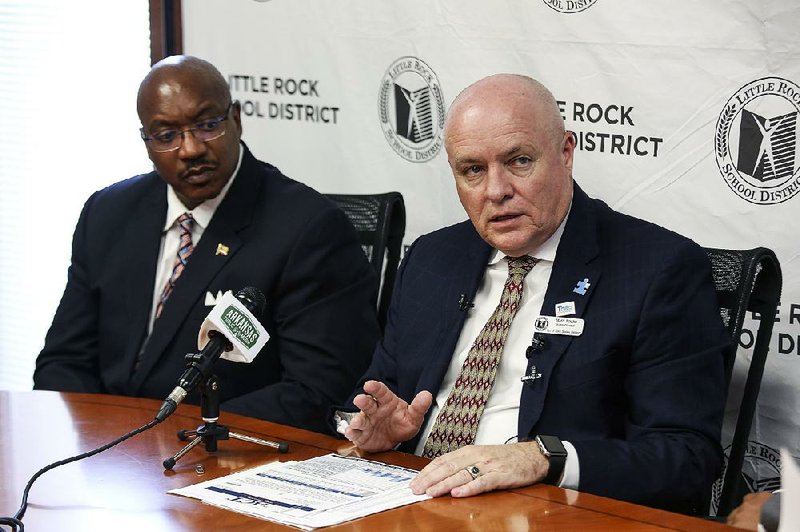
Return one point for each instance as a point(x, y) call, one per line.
point(253, 298)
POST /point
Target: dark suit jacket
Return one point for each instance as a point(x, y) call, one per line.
point(283, 238)
point(640, 393)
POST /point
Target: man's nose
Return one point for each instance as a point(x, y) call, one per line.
point(191, 147)
point(499, 186)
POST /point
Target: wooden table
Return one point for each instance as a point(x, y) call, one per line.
point(125, 487)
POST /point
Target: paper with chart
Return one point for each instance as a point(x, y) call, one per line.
point(321, 491)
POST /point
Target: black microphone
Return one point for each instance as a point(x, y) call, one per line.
point(199, 365)
point(464, 303)
point(537, 344)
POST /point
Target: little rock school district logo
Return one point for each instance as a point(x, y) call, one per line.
point(761, 470)
point(411, 108)
point(756, 141)
point(569, 6)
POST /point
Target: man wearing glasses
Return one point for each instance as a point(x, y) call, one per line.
point(152, 254)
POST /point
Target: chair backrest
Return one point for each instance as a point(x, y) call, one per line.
point(380, 220)
point(745, 280)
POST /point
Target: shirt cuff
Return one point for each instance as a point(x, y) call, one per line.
point(572, 471)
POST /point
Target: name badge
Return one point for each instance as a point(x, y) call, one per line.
point(559, 325)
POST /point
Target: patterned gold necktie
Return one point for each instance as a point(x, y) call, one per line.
point(185, 248)
point(457, 422)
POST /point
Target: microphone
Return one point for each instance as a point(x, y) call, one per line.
point(231, 327)
point(537, 344)
point(464, 303)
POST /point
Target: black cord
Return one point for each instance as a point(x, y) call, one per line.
point(16, 522)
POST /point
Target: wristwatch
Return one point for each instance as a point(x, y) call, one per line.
point(555, 452)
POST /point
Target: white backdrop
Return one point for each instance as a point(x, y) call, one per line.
point(685, 112)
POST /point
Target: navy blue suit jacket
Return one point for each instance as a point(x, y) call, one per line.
point(640, 394)
point(284, 238)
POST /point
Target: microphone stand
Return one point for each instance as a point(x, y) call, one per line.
point(211, 432)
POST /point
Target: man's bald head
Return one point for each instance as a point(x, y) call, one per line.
point(511, 90)
point(174, 67)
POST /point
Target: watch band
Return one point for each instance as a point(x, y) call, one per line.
point(556, 454)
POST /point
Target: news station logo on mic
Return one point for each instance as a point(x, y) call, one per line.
point(232, 319)
point(411, 109)
point(756, 141)
point(240, 326)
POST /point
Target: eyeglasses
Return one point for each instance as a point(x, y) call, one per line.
point(172, 139)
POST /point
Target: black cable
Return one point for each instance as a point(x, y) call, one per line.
point(16, 522)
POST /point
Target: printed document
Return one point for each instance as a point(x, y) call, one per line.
point(318, 492)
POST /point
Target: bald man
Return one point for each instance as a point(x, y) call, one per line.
point(548, 338)
point(152, 254)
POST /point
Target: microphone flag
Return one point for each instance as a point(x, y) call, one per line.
point(231, 318)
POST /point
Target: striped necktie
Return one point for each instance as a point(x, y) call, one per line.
point(457, 422)
point(185, 248)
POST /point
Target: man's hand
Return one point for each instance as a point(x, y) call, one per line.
point(501, 467)
point(747, 514)
point(385, 420)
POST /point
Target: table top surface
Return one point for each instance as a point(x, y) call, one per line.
point(125, 487)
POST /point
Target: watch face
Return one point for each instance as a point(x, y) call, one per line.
point(556, 454)
point(551, 446)
point(542, 447)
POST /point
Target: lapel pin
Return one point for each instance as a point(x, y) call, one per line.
point(532, 376)
point(582, 287)
point(565, 309)
point(222, 249)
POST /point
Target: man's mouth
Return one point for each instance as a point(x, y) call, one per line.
point(502, 218)
point(197, 174)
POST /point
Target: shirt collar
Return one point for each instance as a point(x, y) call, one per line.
point(203, 213)
point(547, 251)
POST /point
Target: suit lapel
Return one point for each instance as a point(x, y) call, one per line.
point(233, 214)
point(469, 266)
point(576, 261)
point(142, 233)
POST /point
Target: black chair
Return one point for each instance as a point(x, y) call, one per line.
point(380, 220)
point(745, 280)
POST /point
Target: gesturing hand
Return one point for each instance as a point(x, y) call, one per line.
point(385, 420)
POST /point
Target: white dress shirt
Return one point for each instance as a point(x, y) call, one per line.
point(170, 236)
point(499, 421)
